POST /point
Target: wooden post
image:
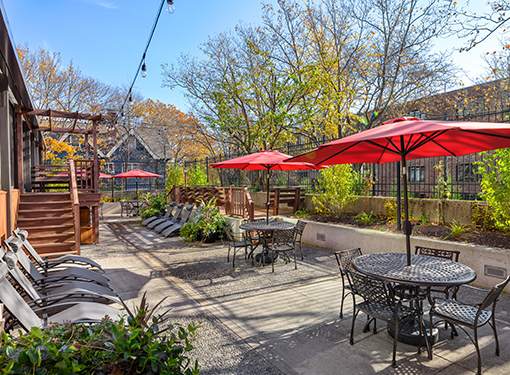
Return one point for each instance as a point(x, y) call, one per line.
point(76, 205)
point(86, 146)
point(19, 149)
point(96, 161)
point(297, 198)
point(276, 201)
point(2, 321)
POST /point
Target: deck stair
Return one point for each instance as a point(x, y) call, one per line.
point(48, 218)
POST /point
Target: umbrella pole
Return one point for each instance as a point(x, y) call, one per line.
point(112, 189)
point(267, 199)
point(136, 187)
point(408, 228)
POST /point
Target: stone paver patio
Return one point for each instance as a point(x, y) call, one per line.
point(258, 322)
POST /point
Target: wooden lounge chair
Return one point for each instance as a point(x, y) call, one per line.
point(167, 215)
point(174, 229)
point(23, 315)
point(71, 292)
point(69, 273)
point(175, 217)
point(168, 223)
point(64, 260)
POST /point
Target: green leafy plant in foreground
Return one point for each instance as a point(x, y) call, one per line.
point(141, 343)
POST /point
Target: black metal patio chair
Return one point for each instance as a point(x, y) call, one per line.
point(379, 302)
point(344, 259)
point(245, 243)
point(470, 316)
point(298, 234)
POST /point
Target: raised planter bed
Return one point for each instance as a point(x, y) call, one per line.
point(491, 265)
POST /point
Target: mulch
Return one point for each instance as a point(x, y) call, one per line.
point(471, 235)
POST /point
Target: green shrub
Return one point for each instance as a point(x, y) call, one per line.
point(174, 176)
point(335, 190)
point(206, 223)
point(495, 183)
point(139, 344)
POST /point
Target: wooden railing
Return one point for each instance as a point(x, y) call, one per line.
point(56, 177)
point(241, 203)
point(50, 177)
point(85, 178)
point(75, 201)
point(237, 201)
point(291, 196)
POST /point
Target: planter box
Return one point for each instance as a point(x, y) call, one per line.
point(491, 265)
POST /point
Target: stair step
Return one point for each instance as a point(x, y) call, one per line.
point(48, 229)
point(46, 238)
point(38, 206)
point(61, 247)
point(45, 197)
point(27, 214)
point(27, 223)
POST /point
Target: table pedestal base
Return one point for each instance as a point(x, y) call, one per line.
point(267, 257)
point(410, 333)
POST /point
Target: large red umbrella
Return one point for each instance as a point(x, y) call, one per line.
point(407, 138)
point(136, 173)
point(269, 160)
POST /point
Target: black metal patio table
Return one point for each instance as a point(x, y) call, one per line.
point(425, 271)
point(266, 232)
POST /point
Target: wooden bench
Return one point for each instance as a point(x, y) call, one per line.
point(290, 196)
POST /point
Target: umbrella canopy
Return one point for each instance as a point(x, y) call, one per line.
point(269, 160)
point(408, 138)
point(136, 173)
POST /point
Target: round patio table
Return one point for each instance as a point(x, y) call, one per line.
point(425, 271)
point(266, 231)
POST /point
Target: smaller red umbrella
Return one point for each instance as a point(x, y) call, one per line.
point(268, 160)
point(136, 173)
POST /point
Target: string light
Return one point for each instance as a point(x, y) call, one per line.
point(141, 65)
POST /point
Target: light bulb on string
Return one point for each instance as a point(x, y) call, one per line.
point(171, 7)
point(144, 70)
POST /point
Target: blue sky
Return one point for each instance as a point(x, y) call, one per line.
point(106, 38)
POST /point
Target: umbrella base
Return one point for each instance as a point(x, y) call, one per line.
point(267, 257)
point(410, 333)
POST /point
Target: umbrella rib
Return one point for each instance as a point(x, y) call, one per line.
point(337, 153)
point(425, 138)
point(483, 133)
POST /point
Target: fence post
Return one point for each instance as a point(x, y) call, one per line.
point(297, 198)
point(276, 201)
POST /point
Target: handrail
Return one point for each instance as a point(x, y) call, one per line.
point(75, 201)
point(248, 204)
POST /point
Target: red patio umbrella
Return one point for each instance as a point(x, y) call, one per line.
point(269, 160)
point(136, 173)
point(408, 138)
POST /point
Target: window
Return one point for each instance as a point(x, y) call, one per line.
point(417, 174)
point(466, 172)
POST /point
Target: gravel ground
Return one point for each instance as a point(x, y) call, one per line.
point(205, 269)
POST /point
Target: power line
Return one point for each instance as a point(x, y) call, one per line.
point(141, 65)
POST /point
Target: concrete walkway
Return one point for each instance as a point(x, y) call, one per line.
point(257, 322)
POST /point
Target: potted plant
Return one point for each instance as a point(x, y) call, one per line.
point(207, 226)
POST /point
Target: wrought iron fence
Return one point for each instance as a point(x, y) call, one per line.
point(452, 177)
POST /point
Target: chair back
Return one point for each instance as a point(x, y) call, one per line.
point(177, 213)
point(229, 233)
point(170, 209)
point(371, 289)
point(438, 253)
point(300, 227)
point(23, 236)
point(11, 260)
point(16, 245)
point(14, 304)
point(493, 295)
point(344, 259)
point(187, 213)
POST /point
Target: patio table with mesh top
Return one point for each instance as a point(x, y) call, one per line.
point(266, 231)
point(425, 272)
